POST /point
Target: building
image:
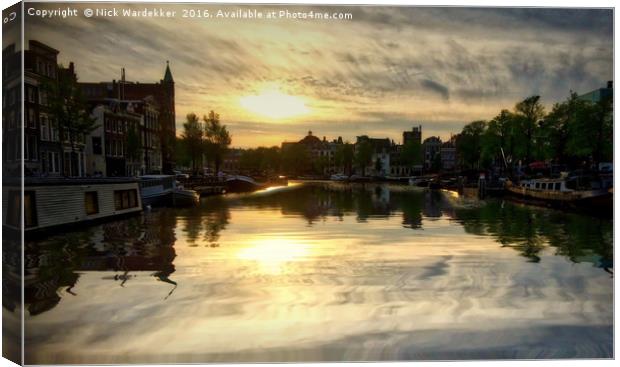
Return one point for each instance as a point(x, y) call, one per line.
point(231, 161)
point(112, 150)
point(160, 97)
point(322, 153)
point(448, 154)
point(431, 149)
point(11, 111)
point(415, 135)
point(126, 141)
point(599, 94)
point(379, 164)
point(46, 152)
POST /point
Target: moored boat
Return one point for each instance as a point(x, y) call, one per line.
point(239, 183)
point(55, 202)
point(184, 197)
point(339, 177)
point(156, 190)
point(554, 191)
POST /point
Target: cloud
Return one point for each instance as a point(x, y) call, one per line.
point(440, 67)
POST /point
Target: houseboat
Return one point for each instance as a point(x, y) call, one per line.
point(156, 190)
point(55, 202)
point(239, 183)
point(554, 191)
point(185, 197)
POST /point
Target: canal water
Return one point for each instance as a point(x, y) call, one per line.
point(324, 272)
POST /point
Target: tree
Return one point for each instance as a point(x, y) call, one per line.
point(498, 140)
point(295, 159)
point(192, 139)
point(469, 144)
point(590, 131)
point(217, 138)
point(344, 157)
point(363, 155)
point(531, 111)
point(411, 153)
point(70, 112)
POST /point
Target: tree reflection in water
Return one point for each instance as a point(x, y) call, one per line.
point(146, 243)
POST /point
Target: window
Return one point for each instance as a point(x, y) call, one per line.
point(30, 209)
point(42, 98)
point(45, 132)
point(50, 162)
point(125, 199)
point(31, 92)
point(30, 153)
point(32, 120)
point(96, 145)
point(91, 202)
point(53, 129)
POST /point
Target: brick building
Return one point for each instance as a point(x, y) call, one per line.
point(160, 96)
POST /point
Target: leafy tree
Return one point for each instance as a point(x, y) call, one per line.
point(70, 111)
point(469, 144)
point(217, 137)
point(181, 154)
point(531, 112)
point(192, 139)
point(344, 157)
point(498, 139)
point(411, 153)
point(295, 159)
point(363, 155)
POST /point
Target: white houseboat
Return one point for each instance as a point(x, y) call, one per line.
point(52, 202)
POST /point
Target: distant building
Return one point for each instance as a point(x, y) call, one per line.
point(379, 164)
point(448, 154)
point(432, 149)
point(230, 163)
point(321, 152)
point(599, 94)
point(415, 135)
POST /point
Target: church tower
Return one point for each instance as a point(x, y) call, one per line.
point(168, 122)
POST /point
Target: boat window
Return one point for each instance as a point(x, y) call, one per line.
point(91, 202)
point(543, 186)
point(30, 209)
point(558, 186)
point(125, 199)
point(538, 185)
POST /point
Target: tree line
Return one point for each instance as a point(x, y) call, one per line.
point(577, 133)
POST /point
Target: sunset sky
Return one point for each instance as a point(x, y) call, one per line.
point(384, 71)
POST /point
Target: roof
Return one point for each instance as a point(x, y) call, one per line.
point(168, 74)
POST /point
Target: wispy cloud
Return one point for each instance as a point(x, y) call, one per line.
point(387, 69)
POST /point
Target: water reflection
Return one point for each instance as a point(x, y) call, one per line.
point(119, 248)
point(324, 271)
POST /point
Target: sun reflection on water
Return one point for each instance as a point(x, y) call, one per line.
point(272, 255)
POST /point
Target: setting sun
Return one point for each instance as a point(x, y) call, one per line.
point(274, 104)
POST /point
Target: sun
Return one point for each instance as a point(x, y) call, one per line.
point(274, 104)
